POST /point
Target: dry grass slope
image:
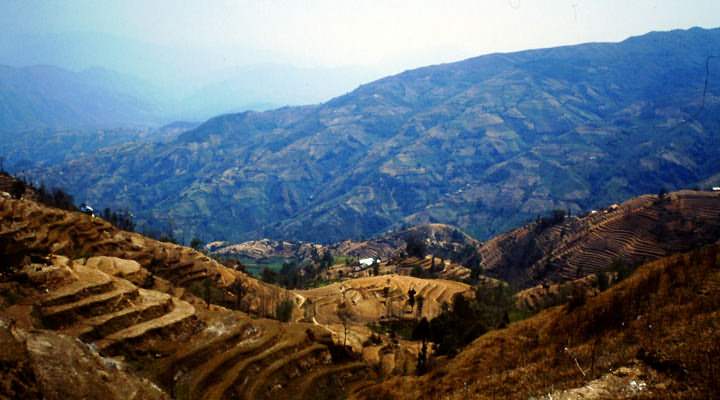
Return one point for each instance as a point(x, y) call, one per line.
point(660, 328)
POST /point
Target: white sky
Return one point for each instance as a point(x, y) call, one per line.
point(382, 33)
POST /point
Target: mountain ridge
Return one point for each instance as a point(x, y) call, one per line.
point(485, 144)
point(47, 96)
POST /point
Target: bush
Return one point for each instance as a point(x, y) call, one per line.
point(268, 275)
point(17, 189)
point(621, 269)
point(417, 272)
point(415, 246)
point(121, 219)
point(456, 327)
point(556, 217)
point(603, 281)
point(284, 310)
point(577, 299)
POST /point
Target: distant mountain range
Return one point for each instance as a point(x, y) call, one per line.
point(50, 97)
point(181, 83)
point(484, 144)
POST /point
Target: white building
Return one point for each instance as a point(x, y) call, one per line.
point(367, 262)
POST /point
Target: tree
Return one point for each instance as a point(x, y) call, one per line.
point(422, 332)
point(196, 243)
point(415, 246)
point(421, 366)
point(420, 303)
point(466, 320)
point(603, 281)
point(411, 297)
point(386, 296)
point(268, 275)
point(327, 260)
point(620, 269)
point(417, 272)
point(17, 189)
point(207, 284)
point(314, 254)
point(284, 310)
point(61, 199)
point(238, 289)
point(345, 316)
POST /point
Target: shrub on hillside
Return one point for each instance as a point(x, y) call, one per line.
point(456, 327)
point(415, 246)
point(556, 217)
point(284, 310)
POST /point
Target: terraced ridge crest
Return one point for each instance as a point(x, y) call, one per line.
point(27, 227)
point(642, 229)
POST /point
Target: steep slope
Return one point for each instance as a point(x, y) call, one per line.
point(483, 144)
point(40, 364)
point(28, 228)
point(653, 335)
point(144, 316)
point(641, 229)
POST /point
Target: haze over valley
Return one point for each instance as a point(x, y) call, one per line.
point(359, 200)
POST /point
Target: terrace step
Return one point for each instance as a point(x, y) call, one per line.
point(310, 382)
point(263, 377)
point(90, 305)
point(150, 304)
point(212, 371)
point(218, 390)
point(181, 311)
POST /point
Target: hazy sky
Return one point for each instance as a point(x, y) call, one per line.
point(383, 33)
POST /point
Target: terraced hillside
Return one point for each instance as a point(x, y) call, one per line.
point(543, 296)
point(144, 322)
point(27, 227)
point(442, 240)
point(193, 352)
point(373, 299)
point(266, 248)
point(426, 267)
point(638, 230)
point(439, 239)
point(434, 267)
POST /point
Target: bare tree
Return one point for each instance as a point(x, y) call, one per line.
point(420, 300)
point(345, 316)
point(411, 298)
